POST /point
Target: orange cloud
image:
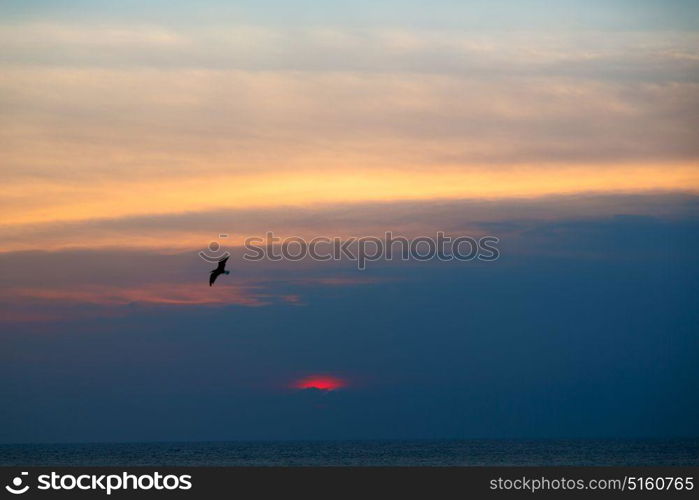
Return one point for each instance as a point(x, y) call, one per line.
point(427, 115)
point(311, 187)
point(157, 294)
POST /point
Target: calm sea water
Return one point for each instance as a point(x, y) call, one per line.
point(358, 453)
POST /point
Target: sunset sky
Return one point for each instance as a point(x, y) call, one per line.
point(132, 134)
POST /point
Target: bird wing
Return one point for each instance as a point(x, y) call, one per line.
point(221, 265)
point(212, 277)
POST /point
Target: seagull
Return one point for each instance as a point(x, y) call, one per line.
point(221, 269)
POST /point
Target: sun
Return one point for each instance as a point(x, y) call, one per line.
point(321, 382)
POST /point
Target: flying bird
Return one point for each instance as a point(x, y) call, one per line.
point(221, 269)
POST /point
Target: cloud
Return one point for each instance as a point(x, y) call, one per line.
point(312, 188)
point(170, 233)
point(120, 121)
point(336, 97)
point(367, 48)
point(43, 36)
point(154, 293)
point(83, 284)
point(70, 303)
point(55, 303)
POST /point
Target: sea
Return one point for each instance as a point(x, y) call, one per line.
point(610, 452)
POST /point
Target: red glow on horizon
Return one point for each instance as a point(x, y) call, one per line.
point(321, 382)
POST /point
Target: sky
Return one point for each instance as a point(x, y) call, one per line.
point(132, 135)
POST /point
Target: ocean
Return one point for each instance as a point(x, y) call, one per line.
point(359, 453)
